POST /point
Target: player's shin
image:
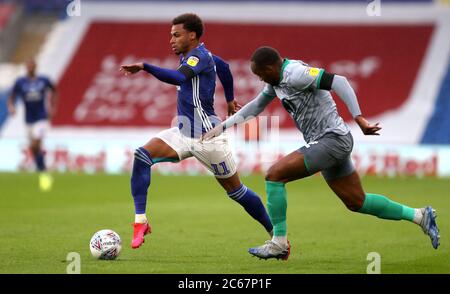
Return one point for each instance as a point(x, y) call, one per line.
point(253, 205)
point(277, 206)
point(45, 179)
point(140, 181)
point(385, 208)
point(39, 160)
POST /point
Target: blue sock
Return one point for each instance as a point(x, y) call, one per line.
point(252, 204)
point(39, 160)
point(140, 179)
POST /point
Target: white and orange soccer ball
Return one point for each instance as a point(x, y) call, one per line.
point(105, 244)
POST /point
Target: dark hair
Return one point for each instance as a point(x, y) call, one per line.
point(191, 22)
point(265, 55)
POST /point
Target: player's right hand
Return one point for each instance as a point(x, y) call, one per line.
point(131, 68)
point(233, 106)
point(212, 133)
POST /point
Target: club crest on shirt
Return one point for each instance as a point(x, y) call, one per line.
point(192, 61)
point(312, 71)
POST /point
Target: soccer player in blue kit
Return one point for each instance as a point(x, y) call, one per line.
point(34, 90)
point(195, 79)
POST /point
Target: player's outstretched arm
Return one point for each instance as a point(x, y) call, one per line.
point(169, 76)
point(226, 78)
point(249, 111)
point(131, 68)
point(345, 91)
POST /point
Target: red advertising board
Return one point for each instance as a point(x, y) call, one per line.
point(380, 61)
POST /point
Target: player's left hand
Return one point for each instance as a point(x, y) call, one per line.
point(366, 127)
point(212, 133)
point(233, 106)
point(131, 68)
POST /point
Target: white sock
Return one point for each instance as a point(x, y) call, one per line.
point(418, 215)
point(140, 218)
point(282, 240)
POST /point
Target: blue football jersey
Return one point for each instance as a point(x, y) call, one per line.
point(196, 96)
point(33, 93)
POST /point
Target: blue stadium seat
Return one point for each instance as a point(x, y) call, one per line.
point(3, 108)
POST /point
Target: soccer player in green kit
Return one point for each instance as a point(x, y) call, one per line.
point(305, 94)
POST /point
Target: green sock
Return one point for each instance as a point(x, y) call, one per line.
point(383, 207)
point(277, 206)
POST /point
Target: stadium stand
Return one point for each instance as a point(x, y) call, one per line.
point(3, 110)
point(10, 24)
point(82, 54)
point(39, 6)
point(438, 128)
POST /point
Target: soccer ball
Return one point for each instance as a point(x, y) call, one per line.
point(105, 244)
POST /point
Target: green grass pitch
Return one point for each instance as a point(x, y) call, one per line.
point(198, 229)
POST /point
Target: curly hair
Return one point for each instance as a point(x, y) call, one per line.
point(191, 22)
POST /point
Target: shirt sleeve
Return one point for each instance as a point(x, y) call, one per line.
point(269, 91)
point(196, 62)
point(303, 76)
point(49, 83)
point(16, 88)
point(174, 77)
point(225, 77)
point(342, 87)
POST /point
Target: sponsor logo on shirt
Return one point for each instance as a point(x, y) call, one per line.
point(312, 71)
point(192, 61)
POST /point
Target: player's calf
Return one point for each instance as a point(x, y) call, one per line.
point(253, 205)
point(140, 181)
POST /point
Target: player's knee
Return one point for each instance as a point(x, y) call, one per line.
point(352, 207)
point(35, 148)
point(142, 155)
point(354, 203)
point(273, 175)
